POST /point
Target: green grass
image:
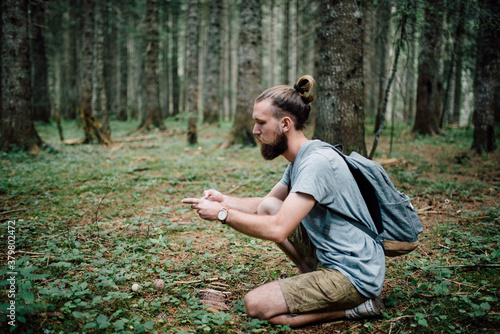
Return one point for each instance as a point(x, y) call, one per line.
point(92, 220)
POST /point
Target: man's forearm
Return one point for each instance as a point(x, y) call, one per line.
point(246, 204)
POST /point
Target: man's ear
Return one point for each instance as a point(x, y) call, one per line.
point(286, 123)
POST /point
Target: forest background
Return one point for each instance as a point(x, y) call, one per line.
point(167, 89)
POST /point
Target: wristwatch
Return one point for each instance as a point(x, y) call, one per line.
point(222, 215)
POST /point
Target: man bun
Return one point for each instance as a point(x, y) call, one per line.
point(305, 85)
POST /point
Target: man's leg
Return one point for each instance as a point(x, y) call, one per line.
point(267, 302)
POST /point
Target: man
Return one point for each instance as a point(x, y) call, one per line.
point(308, 215)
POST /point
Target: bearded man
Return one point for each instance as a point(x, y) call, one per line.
point(308, 214)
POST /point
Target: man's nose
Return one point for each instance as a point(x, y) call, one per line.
point(256, 129)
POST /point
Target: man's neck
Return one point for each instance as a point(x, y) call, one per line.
point(295, 142)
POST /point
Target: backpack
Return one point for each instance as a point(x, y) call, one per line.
point(395, 218)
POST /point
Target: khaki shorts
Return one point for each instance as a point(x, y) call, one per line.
point(321, 290)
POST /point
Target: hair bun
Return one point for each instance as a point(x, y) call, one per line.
point(305, 85)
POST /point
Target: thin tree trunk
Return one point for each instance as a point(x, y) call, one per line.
point(382, 46)
point(122, 112)
point(111, 52)
point(458, 51)
point(192, 70)
point(383, 103)
point(175, 5)
point(99, 101)
point(286, 44)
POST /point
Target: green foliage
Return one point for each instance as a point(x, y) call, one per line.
point(96, 220)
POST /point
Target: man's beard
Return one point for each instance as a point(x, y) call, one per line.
point(274, 149)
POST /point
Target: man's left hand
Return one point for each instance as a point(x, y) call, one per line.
point(206, 209)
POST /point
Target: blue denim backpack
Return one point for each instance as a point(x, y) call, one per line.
point(395, 218)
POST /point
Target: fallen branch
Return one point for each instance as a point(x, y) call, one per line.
point(200, 280)
point(130, 139)
point(10, 211)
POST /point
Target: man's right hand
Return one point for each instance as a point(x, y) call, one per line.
point(213, 195)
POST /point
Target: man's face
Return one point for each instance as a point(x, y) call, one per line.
point(273, 142)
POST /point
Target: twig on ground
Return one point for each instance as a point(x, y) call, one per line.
point(10, 211)
point(200, 280)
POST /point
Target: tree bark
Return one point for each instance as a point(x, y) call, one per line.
point(176, 84)
point(286, 44)
point(122, 103)
point(92, 127)
point(111, 56)
point(381, 65)
point(213, 74)
point(249, 73)
point(382, 108)
point(428, 96)
point(192, 70)
point(17, 128)
point(152, 116)
point(340, 116)
point(458, 51)
point(70, 72)
point(40, 90)
point(487, 78)
point(99, 98)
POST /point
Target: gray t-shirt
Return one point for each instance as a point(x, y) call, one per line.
point(323, 174)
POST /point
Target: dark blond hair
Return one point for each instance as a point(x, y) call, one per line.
point(291, 101)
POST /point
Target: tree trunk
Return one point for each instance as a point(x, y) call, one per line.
point(17, 128)
point(249, 73)
point(428, 97)
point(382, 108)
point(286, 44)
point(165, 76)
point(152, 116)
point(122, 102)
point(175, 5)
point(92, 127)
point(213, 74)
point(458, 51)
point(70, 73)
point(192, 70)
point(487, 78)
point(369, 50)
point(40, 90)
point(111, 56)
point(383, 14)
point(340, 117)
point(99, 101)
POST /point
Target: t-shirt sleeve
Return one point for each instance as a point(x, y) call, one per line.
point(316, 175)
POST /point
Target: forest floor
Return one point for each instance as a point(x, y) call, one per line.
point(90, 221)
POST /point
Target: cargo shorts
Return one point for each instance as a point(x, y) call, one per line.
point(321, 290)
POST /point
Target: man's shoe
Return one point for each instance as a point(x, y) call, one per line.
point(368, 308)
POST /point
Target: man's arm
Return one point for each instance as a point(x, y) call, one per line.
point(246, 204)
point(269, 227)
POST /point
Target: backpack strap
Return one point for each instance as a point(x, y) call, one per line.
point(339, 148)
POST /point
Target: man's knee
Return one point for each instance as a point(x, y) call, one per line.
point(269, 206)
point(256, 307)
point(252, 306)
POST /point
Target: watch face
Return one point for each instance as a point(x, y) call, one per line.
point(222, 214)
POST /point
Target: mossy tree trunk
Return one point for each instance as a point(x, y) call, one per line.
point(340, 114)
